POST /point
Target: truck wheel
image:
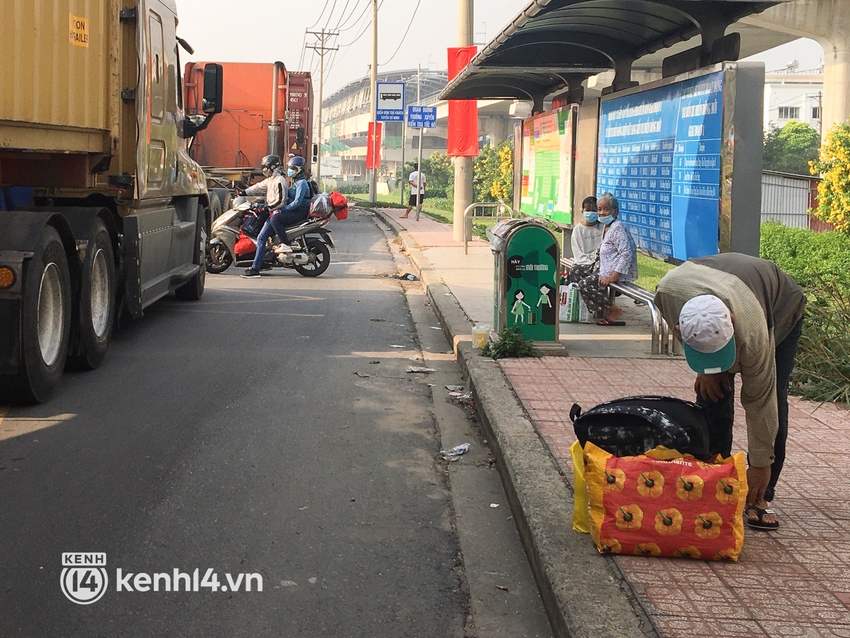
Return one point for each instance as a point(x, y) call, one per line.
point(216, 205)
point(97, 300)
point(322, 256)
point(194, 288)
point(45, 321)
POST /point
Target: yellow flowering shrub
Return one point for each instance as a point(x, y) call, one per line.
point(833, 165)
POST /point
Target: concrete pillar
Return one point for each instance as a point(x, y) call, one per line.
point(496, 127)
point(828, 22)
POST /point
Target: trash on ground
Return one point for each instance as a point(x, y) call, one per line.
point(454, 388)
point(419, 369)
point(392, 345)
point(494, 505)
point(413, 358)
point(361, 375)
point(501, 588)
point(436, 328)
point(374, 361)
point(455, 453)
point(288, 583)
point(407, 276)
point(313, 580)
point(380, 320)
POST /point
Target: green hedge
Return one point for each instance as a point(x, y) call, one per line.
point(808, 256)
point(820, 262)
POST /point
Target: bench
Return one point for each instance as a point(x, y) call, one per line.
point(661, 335)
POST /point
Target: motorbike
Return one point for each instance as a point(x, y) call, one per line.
point(234, 240)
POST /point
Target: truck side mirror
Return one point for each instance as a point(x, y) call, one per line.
point(315, 152)
point(213, 83)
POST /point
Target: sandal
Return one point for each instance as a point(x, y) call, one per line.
point(759, 523)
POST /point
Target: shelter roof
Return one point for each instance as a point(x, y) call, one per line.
point(552, 44)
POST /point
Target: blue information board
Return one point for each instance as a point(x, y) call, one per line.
point(422, 116)
point(659, 154)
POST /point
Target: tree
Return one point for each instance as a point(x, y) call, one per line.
point(791, 148)
point(493, 173)
point(833, 165)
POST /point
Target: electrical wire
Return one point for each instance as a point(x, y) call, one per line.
point(319, 19)
point(365, 28)
point(409, 24)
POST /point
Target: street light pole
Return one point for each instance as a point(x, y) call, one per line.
point(463, 165)
point(373, 78)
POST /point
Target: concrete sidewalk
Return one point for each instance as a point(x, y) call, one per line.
point(791, 582)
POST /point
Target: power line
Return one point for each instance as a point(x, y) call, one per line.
point(409, 24)
point(319, 19)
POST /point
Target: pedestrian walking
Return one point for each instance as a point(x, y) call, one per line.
point(416, 180)
point(739, 314)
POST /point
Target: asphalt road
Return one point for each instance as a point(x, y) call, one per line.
point(269, 429)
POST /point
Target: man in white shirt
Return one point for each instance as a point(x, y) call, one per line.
point(416, 179)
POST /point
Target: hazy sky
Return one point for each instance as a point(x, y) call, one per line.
point(255, 31)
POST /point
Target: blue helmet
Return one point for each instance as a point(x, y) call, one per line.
point(296, 164)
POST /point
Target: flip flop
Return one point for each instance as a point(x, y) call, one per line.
point(759, 522)
point(605, 322)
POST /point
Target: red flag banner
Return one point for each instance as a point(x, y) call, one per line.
point(463, 114)
point(373, 145)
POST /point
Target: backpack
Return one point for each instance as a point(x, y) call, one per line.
point(634, 425)
point(314, 187)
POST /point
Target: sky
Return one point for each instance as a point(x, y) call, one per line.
point(410, 32)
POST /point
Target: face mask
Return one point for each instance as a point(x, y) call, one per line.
point(590, 216)
point(290, 172)
point(607, 219)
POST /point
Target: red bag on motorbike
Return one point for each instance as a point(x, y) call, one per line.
point(339, 205)
point(244, 245)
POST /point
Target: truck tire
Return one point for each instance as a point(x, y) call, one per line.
point(215, 206)
point(194, 288)
point(97, 300)
point(45, 321)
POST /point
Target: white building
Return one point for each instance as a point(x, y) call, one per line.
point(793, 94)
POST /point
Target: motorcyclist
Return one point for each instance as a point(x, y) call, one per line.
point(296, 209)
point(273, 188)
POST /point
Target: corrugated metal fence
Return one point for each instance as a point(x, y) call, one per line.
point(787, 198)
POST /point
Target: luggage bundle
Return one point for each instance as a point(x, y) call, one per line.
point(645, 484)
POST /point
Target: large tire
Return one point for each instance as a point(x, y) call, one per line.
point(219, 258)
point(194, 288)
point(216, 208)
point(97, 300)
point(45, 321)
point(322, 253)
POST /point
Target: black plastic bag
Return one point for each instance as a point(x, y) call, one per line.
point(634, 425)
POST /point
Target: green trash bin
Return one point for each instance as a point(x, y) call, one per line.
point(527, 259)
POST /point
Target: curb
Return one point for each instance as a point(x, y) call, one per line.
point(584, 593)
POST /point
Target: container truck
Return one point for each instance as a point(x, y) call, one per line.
point(266, 109)
point(102, 210)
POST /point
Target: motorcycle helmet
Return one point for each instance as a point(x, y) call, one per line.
point(295, 166)
point(270, 164)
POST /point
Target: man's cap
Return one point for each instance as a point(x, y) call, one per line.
point(705, 324)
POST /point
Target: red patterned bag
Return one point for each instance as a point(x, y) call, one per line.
point(664, 504)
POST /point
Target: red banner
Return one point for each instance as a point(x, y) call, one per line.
point(463, 114)
point(373, 146)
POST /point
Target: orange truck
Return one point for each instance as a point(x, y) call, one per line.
point(266, 110)
point(102, 209)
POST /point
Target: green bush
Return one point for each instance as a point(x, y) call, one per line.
point(352, 188)
point(510, 344)
point(440, 203)
point(822, 366)
point(807, 256)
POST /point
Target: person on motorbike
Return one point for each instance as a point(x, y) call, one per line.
point(274, 189)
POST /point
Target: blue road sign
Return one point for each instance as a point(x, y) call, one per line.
point(422, 116)
point(390, 102)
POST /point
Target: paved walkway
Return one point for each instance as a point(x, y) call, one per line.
point(792, 582)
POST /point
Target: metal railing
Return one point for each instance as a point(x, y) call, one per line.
point(467, 220)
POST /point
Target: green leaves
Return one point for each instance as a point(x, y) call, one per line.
point(791, 148)
point(511, 344)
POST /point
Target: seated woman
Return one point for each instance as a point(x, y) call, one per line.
point(585, 240)
point(617, 262)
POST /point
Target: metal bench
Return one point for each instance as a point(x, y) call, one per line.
point(661, 335)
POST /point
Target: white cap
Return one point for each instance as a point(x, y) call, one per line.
point(705, 324)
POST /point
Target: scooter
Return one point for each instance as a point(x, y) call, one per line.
point(234, 240)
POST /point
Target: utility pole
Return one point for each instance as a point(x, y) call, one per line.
point(421, 134)
point(373, 78)
point(321, 47)
point(463, 165)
